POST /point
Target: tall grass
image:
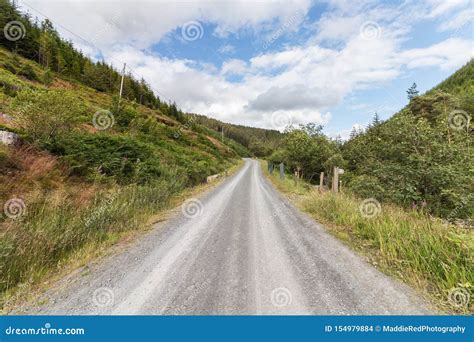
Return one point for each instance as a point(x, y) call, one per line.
point(426, 253)
point(55, 225)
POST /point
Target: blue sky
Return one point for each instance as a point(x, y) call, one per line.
point(273, 63)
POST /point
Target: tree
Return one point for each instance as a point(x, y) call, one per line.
point(412, 92)
point(376, 120)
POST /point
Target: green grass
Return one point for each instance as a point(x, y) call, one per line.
point(428, 254)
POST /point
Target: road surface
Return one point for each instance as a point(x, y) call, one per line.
point(240, 249)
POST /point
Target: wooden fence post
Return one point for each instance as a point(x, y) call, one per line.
point(335, 179)
point(321, 181)
point(282, 171)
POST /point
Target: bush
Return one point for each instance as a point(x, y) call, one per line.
point(28, 72)
point(367, 187)
point(48, 77)
point(125, 159)
point(46, 115)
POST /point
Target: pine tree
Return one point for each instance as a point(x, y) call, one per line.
point(412, 92)
point(376, 120)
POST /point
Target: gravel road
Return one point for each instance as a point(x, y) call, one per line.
point(239, 249)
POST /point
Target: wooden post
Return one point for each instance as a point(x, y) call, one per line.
point(335, 179)
point(282, 171)
point(321, 181)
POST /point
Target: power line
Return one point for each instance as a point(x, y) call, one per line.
point(96, 48)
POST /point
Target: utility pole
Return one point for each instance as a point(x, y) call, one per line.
point(121, 82)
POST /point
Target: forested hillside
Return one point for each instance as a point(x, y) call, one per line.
point(260, 142)
point(420, 158)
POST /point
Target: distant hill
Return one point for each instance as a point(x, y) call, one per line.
point(258, 140)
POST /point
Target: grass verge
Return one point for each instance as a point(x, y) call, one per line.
point(428, 254)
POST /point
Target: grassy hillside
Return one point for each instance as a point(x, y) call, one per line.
point(87, 167)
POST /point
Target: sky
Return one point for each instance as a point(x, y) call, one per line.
point(274, 63)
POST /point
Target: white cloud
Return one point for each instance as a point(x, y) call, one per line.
point(234, 67)
point(300, 81)
point(461, 19)
point(143, 23)
point(227, 48)
point(441, 7)
point(447, 55)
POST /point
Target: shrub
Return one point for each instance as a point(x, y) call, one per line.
point(57, 111)
point(28, 72)
point(48, 77)
point(125, 159)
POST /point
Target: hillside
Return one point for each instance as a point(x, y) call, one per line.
point(259, 141)
point(422, 156)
